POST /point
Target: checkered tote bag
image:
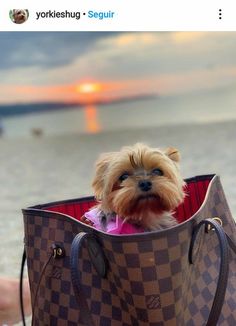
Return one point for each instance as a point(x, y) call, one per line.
point(185, 275)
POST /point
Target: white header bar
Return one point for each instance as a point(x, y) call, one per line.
point(120, 15)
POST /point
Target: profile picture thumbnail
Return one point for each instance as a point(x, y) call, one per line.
point(19, 16)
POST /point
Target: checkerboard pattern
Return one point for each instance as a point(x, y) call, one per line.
point(149, 279)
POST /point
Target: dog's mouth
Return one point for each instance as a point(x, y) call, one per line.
point(148, 197)
point(143, 205)
point(148, 200)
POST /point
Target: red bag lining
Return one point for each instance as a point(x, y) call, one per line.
point(196, 189)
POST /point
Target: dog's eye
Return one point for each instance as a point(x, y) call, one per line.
point(157, 172)
point(123, 177)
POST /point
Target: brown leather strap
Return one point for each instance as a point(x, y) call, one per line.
point(56, 252)
point(219, 297)
point(76, 248)
point(38, 287)
point(23, 260)
point(98, 260)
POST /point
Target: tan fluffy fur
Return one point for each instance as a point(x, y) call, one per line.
point(151, 209)
point(19, 16)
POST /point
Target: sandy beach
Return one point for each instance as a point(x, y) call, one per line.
point(40, 170)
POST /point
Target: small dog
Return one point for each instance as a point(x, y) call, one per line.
point(141, 185)
point(19, 16)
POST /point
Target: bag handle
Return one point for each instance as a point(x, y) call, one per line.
point(224, 242)
point(99, 263)
point(56, 252)
point(23, 260)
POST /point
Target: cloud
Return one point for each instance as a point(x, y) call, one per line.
point(161, 62)
point(44, 49)
point(164, 52)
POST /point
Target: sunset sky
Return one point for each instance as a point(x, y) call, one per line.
point(89, 66)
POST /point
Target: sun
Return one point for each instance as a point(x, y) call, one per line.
point(88, 88)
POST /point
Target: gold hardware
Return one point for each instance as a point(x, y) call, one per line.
point(218, 220)
point(55, 252)
point(59, 251)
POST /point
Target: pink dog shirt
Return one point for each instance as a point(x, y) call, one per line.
point(115, 225)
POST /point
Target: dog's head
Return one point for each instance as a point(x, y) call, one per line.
point(137, 181)
point(19, 16)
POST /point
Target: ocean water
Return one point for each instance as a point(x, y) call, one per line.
point(60, 164)
point(205, 107)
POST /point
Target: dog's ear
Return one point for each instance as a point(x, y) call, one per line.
point(173, 154)
point(101, 167)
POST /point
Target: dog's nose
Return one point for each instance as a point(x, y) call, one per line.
point(145, 185)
